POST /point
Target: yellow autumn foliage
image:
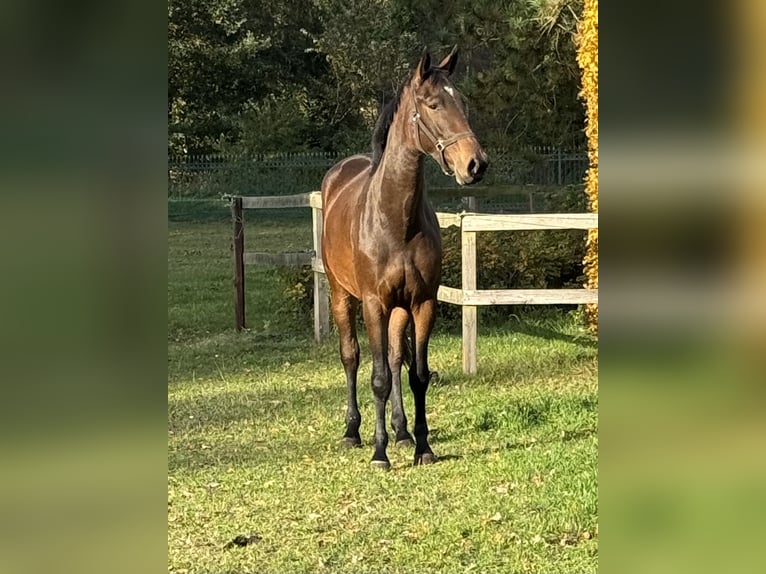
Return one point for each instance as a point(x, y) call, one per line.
point(587, 58)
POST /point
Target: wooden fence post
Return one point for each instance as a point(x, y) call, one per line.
point(238, 247)
point(321, 291)
point(468, 248)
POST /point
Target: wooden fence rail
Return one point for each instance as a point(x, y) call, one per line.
point(467, 296)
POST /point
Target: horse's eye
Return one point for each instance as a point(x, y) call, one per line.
point(433, 106)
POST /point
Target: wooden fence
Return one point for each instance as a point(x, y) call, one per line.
point(467, 296)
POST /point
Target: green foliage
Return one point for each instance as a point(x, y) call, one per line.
point(287, 75)
point(518, 66)
point(298, 290)
point(514, 260)
point(518, 260)
point(226, 55)
point(274, 123)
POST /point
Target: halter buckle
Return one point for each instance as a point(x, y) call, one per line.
point(439, 145)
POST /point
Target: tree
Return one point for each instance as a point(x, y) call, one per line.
point(268, 75)
point(225, 56)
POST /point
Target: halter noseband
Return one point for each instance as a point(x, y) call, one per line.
point(438, 143)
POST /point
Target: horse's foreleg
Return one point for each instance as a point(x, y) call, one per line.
point(376, 319)
point(344, 308)
point(397, 332)
point(423, 316)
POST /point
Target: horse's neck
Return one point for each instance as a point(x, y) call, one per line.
point(398, 185)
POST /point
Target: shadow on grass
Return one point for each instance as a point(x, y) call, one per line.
point(526, 444)
point(232, 354)
point(263, 425)
point(504, 328)
point(249, 428)
point(515, 373)
point(549, 334)
point(448, 457)
point(261, 422)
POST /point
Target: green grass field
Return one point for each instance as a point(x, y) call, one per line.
point(254, 421)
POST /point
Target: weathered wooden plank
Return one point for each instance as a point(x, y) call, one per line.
point(315, 199)
point(450, 295)
point(509, 222)
point(295, 259)
point(321, 288)
point(276, 201)
point(448, 219)
point(317, 264)
point(470, 354)
point(238, 249)
point(529, 296)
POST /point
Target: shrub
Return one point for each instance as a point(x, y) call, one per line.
point(587, 58)
point(515, 260)
point(299, 289)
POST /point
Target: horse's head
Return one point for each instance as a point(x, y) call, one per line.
point(440, 123)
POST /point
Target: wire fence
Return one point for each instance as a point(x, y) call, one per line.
point(289, 173)
point(512, 199)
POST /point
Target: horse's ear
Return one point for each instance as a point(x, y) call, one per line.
point(423, 66)
point(450, 61)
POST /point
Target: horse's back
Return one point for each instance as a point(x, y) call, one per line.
point(342, 187)
point(341, 177)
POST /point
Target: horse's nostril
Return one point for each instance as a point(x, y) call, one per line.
point(471, 167)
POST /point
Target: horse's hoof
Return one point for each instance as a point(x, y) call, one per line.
point(425, 458)
point(405, 443)
point(380, 464)
point(351, 442)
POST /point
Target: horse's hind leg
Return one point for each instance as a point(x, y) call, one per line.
point(397, 332)
point(423, 318)
point(344, 307)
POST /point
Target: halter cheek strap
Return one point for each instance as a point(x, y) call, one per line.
point(439, 144)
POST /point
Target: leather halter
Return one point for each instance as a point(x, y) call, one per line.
point(439, 144)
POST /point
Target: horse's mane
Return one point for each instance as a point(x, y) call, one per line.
point(382, 126)
point(386, 118)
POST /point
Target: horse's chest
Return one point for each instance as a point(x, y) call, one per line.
point(409, 276)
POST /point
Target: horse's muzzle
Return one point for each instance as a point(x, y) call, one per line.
point(477, 165)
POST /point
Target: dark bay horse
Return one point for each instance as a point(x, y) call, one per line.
point(381, 246)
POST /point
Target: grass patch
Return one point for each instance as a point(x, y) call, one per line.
point(254, 420)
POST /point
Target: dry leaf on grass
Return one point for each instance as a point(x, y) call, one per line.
point(496, 517)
